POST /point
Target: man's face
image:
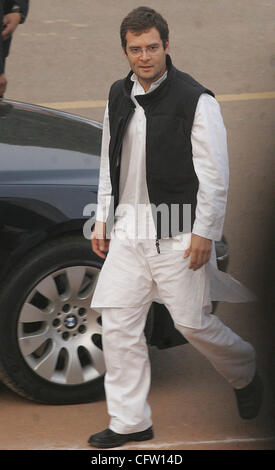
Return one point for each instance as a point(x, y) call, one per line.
point(146, 55)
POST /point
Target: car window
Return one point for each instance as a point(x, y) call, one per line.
point(31, 127)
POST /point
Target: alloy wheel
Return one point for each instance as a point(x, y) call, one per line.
point(59, 335)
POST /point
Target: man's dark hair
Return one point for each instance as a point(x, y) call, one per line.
point(142, 19)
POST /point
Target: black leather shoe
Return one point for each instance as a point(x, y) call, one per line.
point(109, 438)
point(249, 398)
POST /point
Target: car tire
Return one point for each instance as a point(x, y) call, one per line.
point(50, 338)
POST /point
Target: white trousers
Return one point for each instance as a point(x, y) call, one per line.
point(131, 277)
point(128, 372)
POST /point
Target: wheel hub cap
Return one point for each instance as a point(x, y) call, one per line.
point(70, 322)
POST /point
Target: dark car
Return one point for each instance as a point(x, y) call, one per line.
point(50, 338)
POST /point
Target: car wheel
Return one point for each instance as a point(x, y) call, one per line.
point(50, 338)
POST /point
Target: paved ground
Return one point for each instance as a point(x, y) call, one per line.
point(67, 55)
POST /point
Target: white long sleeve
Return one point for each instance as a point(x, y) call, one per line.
point(210, 160)
point(104, 185)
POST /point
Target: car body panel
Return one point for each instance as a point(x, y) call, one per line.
point(49, 162)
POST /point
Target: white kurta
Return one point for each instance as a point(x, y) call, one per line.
point(137, 253)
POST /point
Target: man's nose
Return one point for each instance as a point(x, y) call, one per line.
point(144, 54)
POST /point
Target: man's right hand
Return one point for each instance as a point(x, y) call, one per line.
point(100, 244)
point(10, 22)
point(3, 84)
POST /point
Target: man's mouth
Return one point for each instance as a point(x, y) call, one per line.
point(146, 67)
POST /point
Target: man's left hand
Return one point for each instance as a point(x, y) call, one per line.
point(200, 250)
point(11, 21)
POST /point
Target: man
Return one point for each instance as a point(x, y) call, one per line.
point(3, 80)
point(164, 145)
point(14, 13)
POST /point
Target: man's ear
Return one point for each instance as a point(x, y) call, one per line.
point(167, 46)
point(124, 51)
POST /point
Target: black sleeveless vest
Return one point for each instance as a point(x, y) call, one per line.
point(170, 174)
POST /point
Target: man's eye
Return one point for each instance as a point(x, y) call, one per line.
point(153, 48)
